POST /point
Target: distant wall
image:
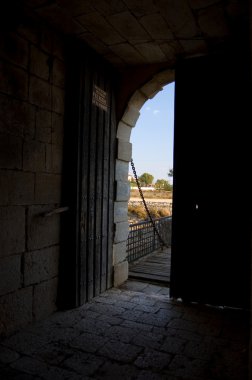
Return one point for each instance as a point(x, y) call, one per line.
point(32, 78)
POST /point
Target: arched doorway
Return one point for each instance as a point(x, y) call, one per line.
point(128, 121)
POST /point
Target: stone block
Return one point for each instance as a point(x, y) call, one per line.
point(10, 274)
point(124, 150)
point(120, 212)
point(44, 126)
point(121, 232)
point(165, 77)
point(16, 310)
point(156, 26)
point(13, 80)
point(48, 152)
point(119, 252)
point(123, 131)
point(12, 232)
point(4, 184)
point(58, 47)
point(60, 19)
point(170, 51)
point(40, 93)
point(137, 100)
point(100, 27)
point(45, 298)
point(131, 116)
point(46, 41)
point(179, 17)
point(57, 129)
point(122, 191)
point(10, 152)
point(151, 52)
point(39, 63)
point(34, 156)
point(42, 231)
point(57, 158)
point(127, 53)
point(16, 117)
point(151, 88)
point(41, 265)
point(21, 188)
point(121, 171)
point(14, 49)
point(58, 100)
point(200, 4)
point(128, 27)
point(121, 273)
point(141, 8)
point(23, 118)
point(59, 73)
point(47, 188)
point(29, 31)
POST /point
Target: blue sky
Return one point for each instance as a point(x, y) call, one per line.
point(152, 137)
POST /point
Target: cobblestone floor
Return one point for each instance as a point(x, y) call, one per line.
point(134, 332)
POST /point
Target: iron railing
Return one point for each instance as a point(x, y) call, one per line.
point(143, 238)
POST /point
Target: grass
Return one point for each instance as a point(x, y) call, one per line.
point(139, 212)
point(155, 194)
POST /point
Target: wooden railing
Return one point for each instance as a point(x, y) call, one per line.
point(143, 239)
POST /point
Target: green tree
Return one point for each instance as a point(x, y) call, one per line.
point(163, 184)
point(146, 179)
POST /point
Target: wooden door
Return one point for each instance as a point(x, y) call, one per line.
point(211, 244)
point(89, 177)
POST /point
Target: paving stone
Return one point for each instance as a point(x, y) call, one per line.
point(174, 345)
point(8, 373)
point(89, 342)
point(95, 326)
point(134, 315)
point(113, 321)
point(121, 333)
point(83, 363)
point(120, 351)
point(147, 308)
point(111, 370)
point(188, 368)
point(35, 367)
point(153, 359)
point(53, 353)
point(59, 348)
point(149, 375)
point(148, 339)
point(25, 343)
point(137, 325)
point(153, 320)
point(108, 309)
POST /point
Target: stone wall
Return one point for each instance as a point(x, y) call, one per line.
point(32, 76)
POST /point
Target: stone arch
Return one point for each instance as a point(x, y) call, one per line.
point(124, 153)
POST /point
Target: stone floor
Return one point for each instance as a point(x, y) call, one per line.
point(134, 332)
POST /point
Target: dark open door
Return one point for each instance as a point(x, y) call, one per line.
point(211, 237)
point(89, 178)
